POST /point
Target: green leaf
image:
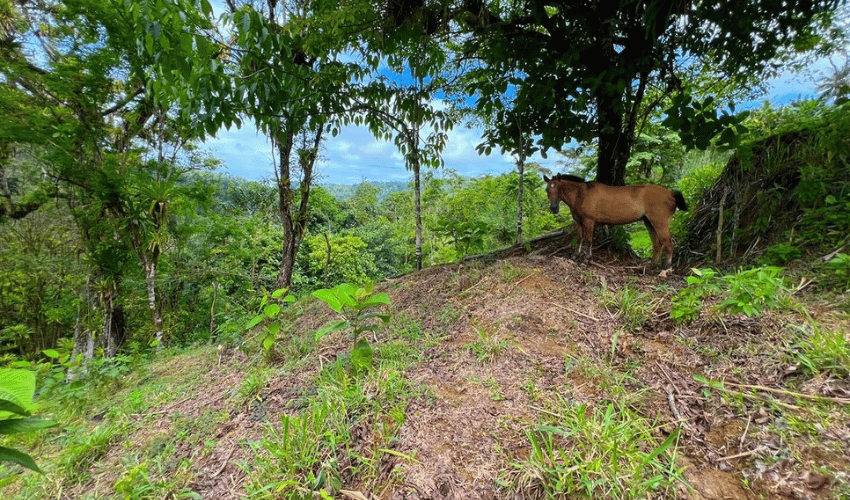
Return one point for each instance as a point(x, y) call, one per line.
point(374, 300)
point(18, 387)
point(280, 291)
point(329, 298)
point(51, 353)
point(14, 456)
point(361, 355)
point(254, 321)
point(271, 310)
point(385, 318)
point(21, 425)
point(331, 327)
point(186, 40)
point(12, 407)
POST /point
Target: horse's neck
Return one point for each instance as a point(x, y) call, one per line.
point(573, 192)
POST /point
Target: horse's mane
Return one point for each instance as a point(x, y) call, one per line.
point(569, 177)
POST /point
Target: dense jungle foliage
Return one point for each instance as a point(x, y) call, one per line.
point(222, 247)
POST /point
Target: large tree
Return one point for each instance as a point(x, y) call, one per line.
point(582, 70)
point(84, 106)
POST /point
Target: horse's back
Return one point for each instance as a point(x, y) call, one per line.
point(616, 204)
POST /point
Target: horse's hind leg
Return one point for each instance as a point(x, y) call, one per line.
point(666, 242)
point(656, 243)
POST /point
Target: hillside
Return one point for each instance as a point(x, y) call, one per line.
point(479, 358)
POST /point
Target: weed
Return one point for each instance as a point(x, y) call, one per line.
point(818, 349)
point(780, 254)
point(343, 431)
point(488, 346)
point(252, 385)
point(511, 273)
point(81, 455)
point(449, 314)
point(835, 273)
point(595, 453)
point(633, 305)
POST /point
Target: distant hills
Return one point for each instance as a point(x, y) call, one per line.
point(345, 191)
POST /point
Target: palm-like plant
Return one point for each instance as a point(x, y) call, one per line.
point(836, 85)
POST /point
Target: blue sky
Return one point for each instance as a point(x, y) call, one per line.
point(355, 155)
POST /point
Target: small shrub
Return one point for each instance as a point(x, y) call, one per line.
point(275, 311)
point(750, 292)
point(687, 304)
point(837, 272)
point(356, 306)
point(754, 290)
point(780, 254)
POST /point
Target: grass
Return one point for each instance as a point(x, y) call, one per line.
point(488, 345)
point(633, 306)
point(581, 451)
point(322, 446)
point(589, 428)
point(640, 241)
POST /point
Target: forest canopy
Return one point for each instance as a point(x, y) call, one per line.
point(117, 230)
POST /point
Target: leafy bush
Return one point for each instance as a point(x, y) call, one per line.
point(837, 273)
point(754, 290)
point(825, 222)
point(780, 254)
point(750, 292)
point(687, 304)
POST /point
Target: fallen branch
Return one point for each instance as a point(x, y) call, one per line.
point(226, 461)
point(750, 396)
point(573, 311)
point(757, 449)
point(832, 254)
point(810, 397)
point(672, 402)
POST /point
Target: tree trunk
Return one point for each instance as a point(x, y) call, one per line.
point(107, 301)
point(417, 202)
point(520, 195)
point(614, 143)
point(82, 338)
point(150, 278)
point(294, 221)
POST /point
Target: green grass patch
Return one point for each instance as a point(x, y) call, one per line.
point(580, 451)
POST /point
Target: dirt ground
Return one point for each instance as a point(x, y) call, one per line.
point(546, 309)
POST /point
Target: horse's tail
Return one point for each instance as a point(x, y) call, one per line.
point(680, 200)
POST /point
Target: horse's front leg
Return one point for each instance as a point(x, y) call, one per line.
point(588, 236)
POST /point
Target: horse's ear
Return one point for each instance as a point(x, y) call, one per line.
point(546, 179)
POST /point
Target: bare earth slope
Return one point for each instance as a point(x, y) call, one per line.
point(518, 333)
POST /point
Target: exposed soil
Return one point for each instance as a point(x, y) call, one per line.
point(544, 308)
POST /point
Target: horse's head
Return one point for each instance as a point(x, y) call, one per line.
point(552, 193)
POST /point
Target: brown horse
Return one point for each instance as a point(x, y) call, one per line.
point(594, 202)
